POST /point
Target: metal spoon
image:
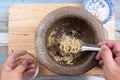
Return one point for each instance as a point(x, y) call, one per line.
point(86, 47)
point(89, 47)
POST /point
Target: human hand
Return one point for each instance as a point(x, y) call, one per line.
point(13, 69)
point(110, 64)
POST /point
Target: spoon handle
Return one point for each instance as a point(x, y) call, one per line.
point(90, 48)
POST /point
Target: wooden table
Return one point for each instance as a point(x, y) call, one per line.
point(22, 29)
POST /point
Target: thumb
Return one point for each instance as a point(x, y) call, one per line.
point(107, 55)
point(21, 67)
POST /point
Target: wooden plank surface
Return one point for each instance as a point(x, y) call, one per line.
point(22, 28)
point(3, 39)
point(3, 53)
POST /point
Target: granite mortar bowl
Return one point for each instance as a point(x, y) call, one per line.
point(89, 28)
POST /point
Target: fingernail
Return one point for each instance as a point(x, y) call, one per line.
point(34, 65)
point(103, 47)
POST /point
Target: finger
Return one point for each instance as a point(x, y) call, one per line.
point(107, 56)
point(99, 56)
point(21, 67)
point(14, 55)
point(13, 66)
point(113, 44)
point(117, 54)
point(28, 73)
point(109, 43)
point(102, 43)
point(117, 60)
point(11, 57)
point(17, 62)
point(105, 42)
point(101, 62)
point(28, 60)
point(32, 66)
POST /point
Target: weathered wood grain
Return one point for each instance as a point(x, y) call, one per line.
point(3, 27)
point(3, 14)
point(3, 54)
point(3, 38)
